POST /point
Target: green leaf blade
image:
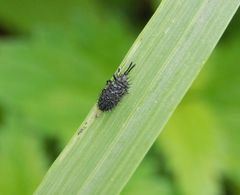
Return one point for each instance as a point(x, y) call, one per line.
point(169, 54)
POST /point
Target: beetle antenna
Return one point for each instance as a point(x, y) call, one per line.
point(130, 67)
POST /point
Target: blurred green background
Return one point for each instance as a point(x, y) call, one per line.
point(55, 57)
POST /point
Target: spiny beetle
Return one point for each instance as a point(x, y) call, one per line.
point(114, 90)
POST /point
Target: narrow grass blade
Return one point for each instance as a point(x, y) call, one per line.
point(169, 53)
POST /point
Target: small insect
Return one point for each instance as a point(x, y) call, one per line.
point(115, 89)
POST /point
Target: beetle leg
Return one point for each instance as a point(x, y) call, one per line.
point(108, 82)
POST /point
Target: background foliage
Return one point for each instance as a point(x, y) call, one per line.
point(52, 66)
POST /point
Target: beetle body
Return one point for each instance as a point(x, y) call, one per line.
point(114, 90)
